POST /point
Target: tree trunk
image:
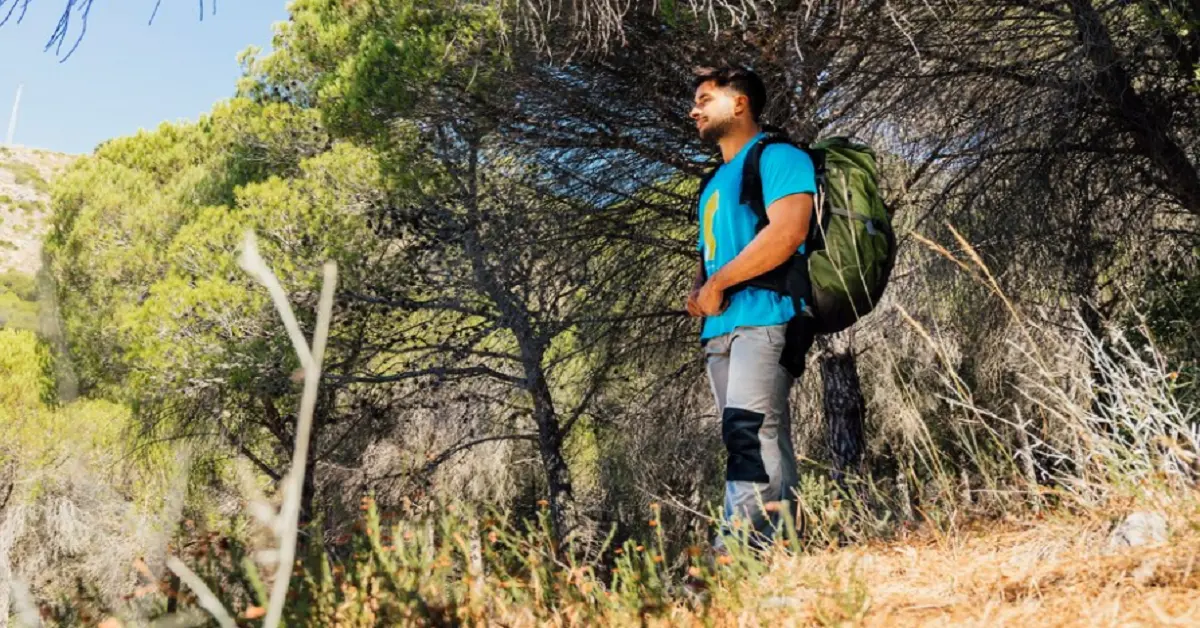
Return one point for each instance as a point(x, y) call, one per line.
point(516, 315)
point(308, 489)
point(1147, 122)
point(844, 407)
point(550, 444)
point(308, 492)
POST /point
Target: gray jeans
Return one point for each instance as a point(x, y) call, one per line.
point(751, 390)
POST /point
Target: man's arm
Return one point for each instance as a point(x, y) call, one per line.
point(788, 227)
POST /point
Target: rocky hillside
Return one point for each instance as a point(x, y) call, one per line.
point(25, 175)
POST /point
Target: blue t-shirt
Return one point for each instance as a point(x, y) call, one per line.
point(727, 226)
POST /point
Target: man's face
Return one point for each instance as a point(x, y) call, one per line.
point(715, 110)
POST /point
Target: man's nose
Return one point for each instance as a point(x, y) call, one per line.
point(695, 114)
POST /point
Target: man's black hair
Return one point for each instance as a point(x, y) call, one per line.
point(742, 80)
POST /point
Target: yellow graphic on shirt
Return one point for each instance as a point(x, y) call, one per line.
point(710, 212)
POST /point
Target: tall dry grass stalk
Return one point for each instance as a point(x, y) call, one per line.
point(285, 522)
point(1043, 413)
point(1101, 410)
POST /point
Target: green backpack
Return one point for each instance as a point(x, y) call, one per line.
point(851, 248)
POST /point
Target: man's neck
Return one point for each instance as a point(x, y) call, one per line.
point(735, 140)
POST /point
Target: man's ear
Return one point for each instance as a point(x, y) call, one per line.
point(741, 104)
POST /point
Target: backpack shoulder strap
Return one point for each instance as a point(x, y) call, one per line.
point(752, 184)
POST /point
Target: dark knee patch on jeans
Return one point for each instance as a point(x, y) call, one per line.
point(739, 431)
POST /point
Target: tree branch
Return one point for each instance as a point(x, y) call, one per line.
point(471, 371)
point(438, 460)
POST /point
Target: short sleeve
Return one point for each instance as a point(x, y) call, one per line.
point(786, 170)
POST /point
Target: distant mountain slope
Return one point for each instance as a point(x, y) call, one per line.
point(25, 175)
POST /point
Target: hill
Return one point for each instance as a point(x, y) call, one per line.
point(25, 175)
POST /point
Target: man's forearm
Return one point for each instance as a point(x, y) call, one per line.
point(770, 248)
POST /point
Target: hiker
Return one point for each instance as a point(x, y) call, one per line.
point(745, 328)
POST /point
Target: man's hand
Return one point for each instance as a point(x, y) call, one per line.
point(693, 305)
point(711, 299)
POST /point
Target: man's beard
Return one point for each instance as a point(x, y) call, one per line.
point(715, 130)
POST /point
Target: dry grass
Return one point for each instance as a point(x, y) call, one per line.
point(1056, 572)
point(1046, 573)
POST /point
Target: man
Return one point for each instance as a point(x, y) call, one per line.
point(743, 330)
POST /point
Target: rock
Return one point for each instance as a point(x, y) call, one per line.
point(1139, 529)
point(1145, 572)
point(781, 602)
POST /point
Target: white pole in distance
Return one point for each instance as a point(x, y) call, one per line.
point(12, 122)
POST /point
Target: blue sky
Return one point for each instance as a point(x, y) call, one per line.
point(125, 75)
